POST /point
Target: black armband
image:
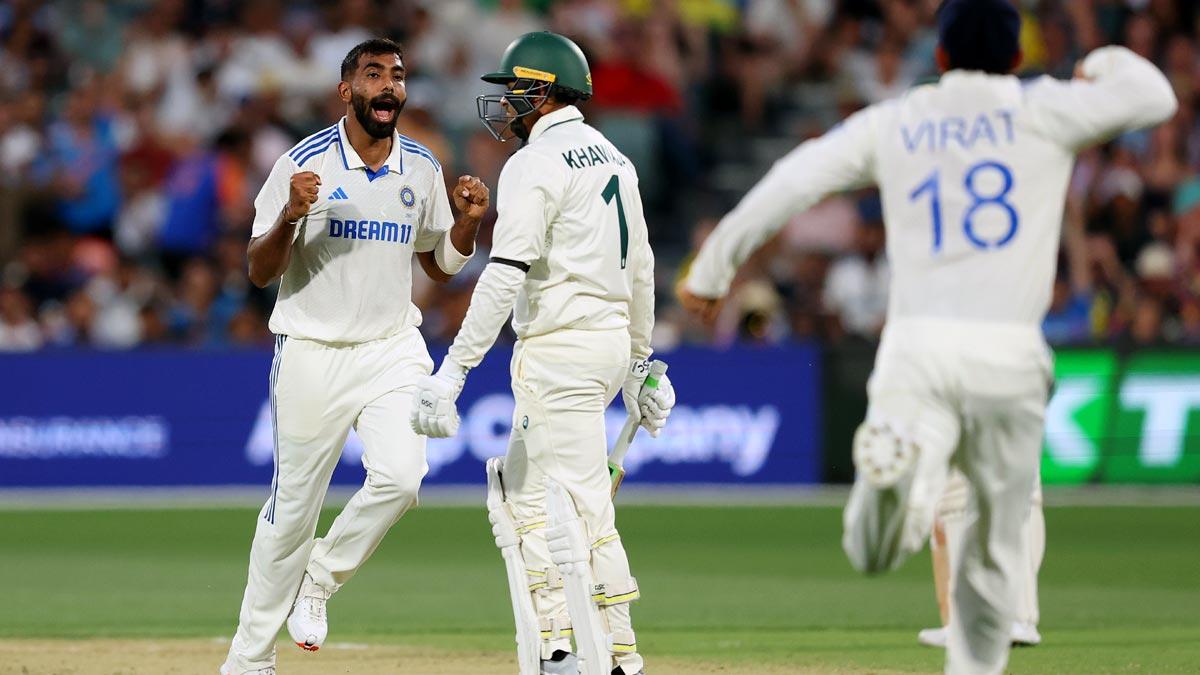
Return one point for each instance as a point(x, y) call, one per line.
point(524, 267)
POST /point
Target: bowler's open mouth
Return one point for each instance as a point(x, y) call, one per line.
point(384, 109)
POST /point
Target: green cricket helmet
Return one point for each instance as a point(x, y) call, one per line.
point(533, 67)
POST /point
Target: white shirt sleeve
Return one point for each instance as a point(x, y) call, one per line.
point(1123, 92)
point(491, 303)
point(526, 202)
point(436, 216)
point(842, 159)
point(527, 199)
point(273, 197)
point(641, 305)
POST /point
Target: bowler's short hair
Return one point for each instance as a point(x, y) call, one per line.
point(372, 47)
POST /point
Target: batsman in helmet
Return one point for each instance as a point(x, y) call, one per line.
point(571, 259)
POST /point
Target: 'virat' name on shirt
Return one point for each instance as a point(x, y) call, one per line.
point(939, 135)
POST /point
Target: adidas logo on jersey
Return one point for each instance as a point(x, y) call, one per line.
point(338, 194)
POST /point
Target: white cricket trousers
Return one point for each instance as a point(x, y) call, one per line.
point(972, 394)
point(318, 392)
point(952, 513)
point(562, 383)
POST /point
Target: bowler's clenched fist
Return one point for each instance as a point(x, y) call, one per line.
point(301, 195)
point(471, 197)
point(705, 309)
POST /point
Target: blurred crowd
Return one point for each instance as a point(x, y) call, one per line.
point(134, 135)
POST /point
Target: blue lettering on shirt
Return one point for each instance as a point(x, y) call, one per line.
point(370, 230)
point(953, 128)
point(981, 128)
point(958, 132)
point(914, 142)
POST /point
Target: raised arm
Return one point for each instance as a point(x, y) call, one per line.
point(443, 249)
point(840, 160)
point(284, 200)
point(1115, 91)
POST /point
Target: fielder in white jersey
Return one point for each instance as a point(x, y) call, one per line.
point(973, 175)
point(571, 253)
point(945, 547)
point(340, 218)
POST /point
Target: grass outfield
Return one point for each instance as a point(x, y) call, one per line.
point(743, 586)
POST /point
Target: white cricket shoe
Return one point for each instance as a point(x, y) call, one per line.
point(307, 624)
point(1025, 634)
point(227, 669)
point(934, 637)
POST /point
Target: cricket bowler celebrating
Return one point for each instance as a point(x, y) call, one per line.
point(340, 217)
point(973, 174)
point(571, 252)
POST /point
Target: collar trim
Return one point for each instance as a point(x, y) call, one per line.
point(351, 160)
point(561, 116)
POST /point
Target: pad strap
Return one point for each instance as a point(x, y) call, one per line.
point(612, 593)
point(556, 628)
point(607, 539)
point(529, 525)
point(548, 579)
point(622, 642)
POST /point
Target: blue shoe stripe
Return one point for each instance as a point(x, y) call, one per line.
point(317, 151)
point(312, 141)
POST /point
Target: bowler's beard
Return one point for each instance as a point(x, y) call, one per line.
point(373, 127)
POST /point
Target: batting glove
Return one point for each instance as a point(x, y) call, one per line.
point(504, 527)
point(655, 405)
point(434, 413)
point(634, 377)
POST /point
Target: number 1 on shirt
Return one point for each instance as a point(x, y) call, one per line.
point(613, 189)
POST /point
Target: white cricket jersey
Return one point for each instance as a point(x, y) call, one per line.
point(350, 275)
point(570, 213)
point(972, 172)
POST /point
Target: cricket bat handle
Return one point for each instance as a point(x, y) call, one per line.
point(615, 461)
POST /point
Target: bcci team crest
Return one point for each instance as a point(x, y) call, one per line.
point(407, 197)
